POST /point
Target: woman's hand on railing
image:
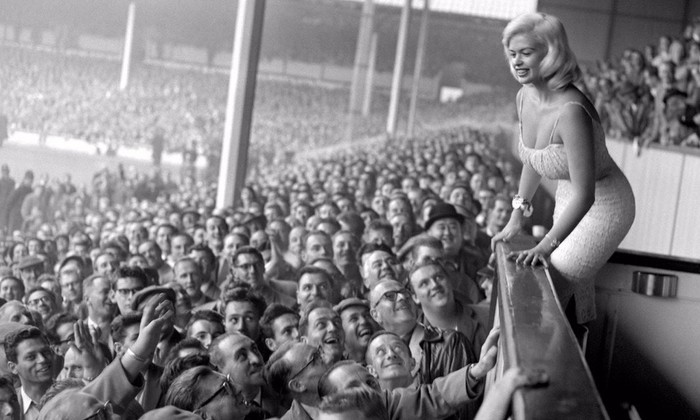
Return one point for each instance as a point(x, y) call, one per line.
point(538, 255)
point(512, 229)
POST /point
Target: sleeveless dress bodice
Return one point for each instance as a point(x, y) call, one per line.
point(594, 239)
point(551, 161)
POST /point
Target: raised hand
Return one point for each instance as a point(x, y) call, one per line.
point(87, 345)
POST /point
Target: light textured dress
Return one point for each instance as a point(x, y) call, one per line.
point(596, 237)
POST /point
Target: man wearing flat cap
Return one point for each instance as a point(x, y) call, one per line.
point(30, 268)
point(358, 326)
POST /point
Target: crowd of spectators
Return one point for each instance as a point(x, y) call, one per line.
point(652, 94)
point(368, 264)
point(51, 93)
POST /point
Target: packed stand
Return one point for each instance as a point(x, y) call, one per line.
point(652, 96)
point(354, 282)
point(78, 97)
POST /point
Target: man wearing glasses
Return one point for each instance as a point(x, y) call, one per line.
point(437, 352)
point(294, 370)
point(130, 280)
point(207, 393)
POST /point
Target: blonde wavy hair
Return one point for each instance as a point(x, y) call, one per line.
point(559, 67)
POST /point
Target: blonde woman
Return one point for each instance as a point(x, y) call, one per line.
point(561, 138)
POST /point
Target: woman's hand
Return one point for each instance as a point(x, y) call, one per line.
point(512, 229)
point(538, 255)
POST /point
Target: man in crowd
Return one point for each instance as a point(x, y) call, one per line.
point(216, 229)
point(105, 263)
point(243, 309)
point(206, 260)
point(71, 281)
point(129, 281)
point(189, 275)
point(30, 357)
point(100, 308)
point(345, 246)
point(164, 235)
point(180, 246)
point(316, 244)
point(30, 268)
point(249, 267)
point(389, 360)
point(320, 326)
point(431, 289)
point(498, 215)
point(42, 301)
point(279, 324)
point(358, 326)
point(238, 357)
point(378, 263)
point(154, 257)
point(313, 284)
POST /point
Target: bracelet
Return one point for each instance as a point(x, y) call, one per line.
point(522, 204)
point(136, 357)
point(553, 242)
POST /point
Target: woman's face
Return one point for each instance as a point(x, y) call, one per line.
point(525, 56)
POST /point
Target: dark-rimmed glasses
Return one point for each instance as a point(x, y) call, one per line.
point(393, 295)
point(103, 413)
point(226, 386)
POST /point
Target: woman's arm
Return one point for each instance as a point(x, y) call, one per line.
point(529, 181)
point(575, 129)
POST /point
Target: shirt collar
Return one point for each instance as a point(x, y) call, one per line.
point(26, 401)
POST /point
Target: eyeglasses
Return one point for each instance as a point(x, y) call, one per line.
point(226, 386)
point(393, 295)
point(43, 299)
point(103, 413)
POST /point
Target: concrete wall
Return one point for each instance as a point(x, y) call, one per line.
point(642, 349)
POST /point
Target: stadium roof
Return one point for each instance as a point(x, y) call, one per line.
point(497, 9)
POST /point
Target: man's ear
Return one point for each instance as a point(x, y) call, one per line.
point(411, 364)
point(375, 316)
point(415, 299)
point(112, 296)
point(296, 386)
point(372, 370)
point(12, 366)
point(303, 339)
point(117, 347)
point(270, 343)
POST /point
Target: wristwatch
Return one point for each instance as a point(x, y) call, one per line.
point(524, 205)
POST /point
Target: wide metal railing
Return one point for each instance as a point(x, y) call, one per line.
point(536, 334)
